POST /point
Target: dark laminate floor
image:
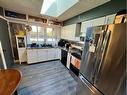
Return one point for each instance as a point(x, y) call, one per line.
point(49, 78)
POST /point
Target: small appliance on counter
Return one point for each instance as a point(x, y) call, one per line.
point(67, 45)
point(82, 38)
point(34, 45)
point(62, 42)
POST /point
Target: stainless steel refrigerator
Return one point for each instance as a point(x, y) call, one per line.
point(103, 65)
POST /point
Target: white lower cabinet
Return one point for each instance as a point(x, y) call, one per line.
point(51, 54)
point(22, 54)
point(32, 56)
point(40, 55)
point(58, 54)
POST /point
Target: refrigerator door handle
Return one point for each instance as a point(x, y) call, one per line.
point(103, 49)
point(97, 53)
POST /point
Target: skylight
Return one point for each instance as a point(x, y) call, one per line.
point(56, 7)
point(46, 5)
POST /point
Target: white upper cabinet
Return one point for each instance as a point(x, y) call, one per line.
point(110, 19)
point(98, 21)
point(85, 25)
point(68, 32)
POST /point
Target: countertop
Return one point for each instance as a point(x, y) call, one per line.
point(9, 81)
point(49, 48)
point(72, 51)
point(43, 48)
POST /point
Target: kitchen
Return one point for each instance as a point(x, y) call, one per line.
point(48, 48)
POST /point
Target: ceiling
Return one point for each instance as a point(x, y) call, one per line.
point(33, 7)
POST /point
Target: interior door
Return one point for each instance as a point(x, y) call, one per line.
point(5, 40)
point(110, 78)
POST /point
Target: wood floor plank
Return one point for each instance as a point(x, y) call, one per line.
point(49, 78)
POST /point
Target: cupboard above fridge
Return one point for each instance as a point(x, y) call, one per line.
point(109, 19)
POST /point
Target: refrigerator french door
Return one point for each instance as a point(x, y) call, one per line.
point(94, 36)
point(104, 68)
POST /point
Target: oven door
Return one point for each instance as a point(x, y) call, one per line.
point(75, 65)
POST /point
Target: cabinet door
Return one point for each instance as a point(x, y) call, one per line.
point(84, 27)
point(32, 56)
point(72, 30)
point(22, 54)
point(51, 54)
point(42, 55)
point(68, 32)
point(58, 54)
point(99, 21)
point(110, 19)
